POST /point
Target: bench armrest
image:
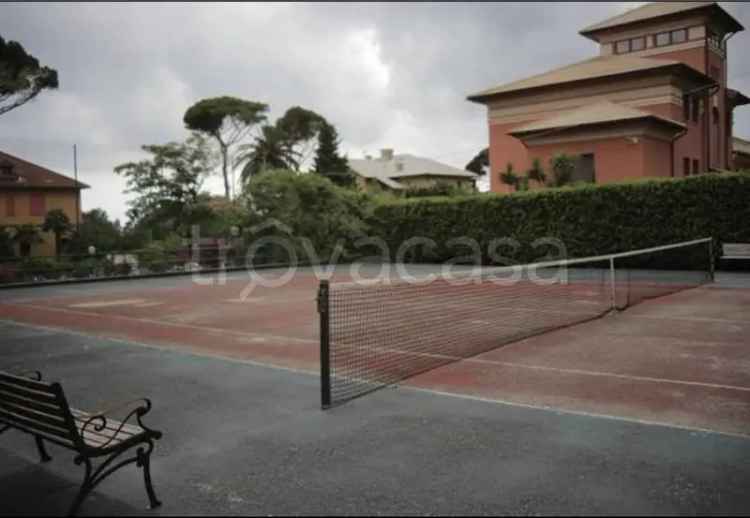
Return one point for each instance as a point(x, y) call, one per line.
point(99, 421)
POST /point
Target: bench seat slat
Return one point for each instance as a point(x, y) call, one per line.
point(96, 438)
point(43, 417)
point(32, 425)
point(48, 408)
point(28, 393)
point(30, 384)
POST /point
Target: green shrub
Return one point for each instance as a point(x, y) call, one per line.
point(44, 268)
point(590, 220)
point(154, 258)
point(297, 207)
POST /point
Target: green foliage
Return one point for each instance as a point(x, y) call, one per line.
point(229, 121)
point(57, 222)
point(97, 230)
point(26, 236)
point(21, 76)
point(590, 220)
point(286, 144)
point(509, 177)
point(269, 150)
point(6, 241)
point(154, 258)
point(563, 167)
point(43, 268)
point(168, 185)
point(480, 164)
point(311, 207)
point(328, 161)
point(439, 188)
point(536, 172)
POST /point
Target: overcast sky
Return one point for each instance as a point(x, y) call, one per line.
point(387, 75)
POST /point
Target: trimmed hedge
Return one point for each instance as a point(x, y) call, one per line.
point(589, 220)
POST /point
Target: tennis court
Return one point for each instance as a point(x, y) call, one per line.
point(581, 410)
point(682, 359)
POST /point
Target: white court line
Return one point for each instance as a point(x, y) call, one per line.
point(611, 375)
point(426, 355)
point(109, 303)
point(689, 319)
point(171, 324)
point(500, 402)
point(176, 350)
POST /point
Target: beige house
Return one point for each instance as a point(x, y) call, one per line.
point(28, 192)
point(398, 173)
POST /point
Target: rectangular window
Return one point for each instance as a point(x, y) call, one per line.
point(662, 39)
point(715, 112)
point(622, 47)
point(679, 36)
point(10, 206)
point(637, 44)
point(686, 108)
point(686, 166)
point(696, 166)
point(696, 110)
point(37, 204)
point(584, 171)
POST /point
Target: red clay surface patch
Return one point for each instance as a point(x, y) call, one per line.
point(681, 360)
point(277, 326)
point(664, 361)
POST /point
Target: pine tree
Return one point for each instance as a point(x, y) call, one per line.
point(328, 162)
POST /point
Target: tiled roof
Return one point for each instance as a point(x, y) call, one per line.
point(600, 66)
point(598, 113)
point(25, 175)
point(646, 12)
point(389, 171)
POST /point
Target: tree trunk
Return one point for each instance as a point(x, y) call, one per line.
point(224, 160)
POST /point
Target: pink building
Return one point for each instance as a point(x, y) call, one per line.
point(654, 103)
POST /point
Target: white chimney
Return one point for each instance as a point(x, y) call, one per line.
point(386, 154)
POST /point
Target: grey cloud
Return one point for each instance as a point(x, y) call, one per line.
point(386, 74)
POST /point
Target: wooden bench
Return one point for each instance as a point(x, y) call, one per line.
point(736, 251)
point(41, 409)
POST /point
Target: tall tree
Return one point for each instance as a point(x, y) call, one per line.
point(98, 230)
point(59, 224)
point(269, 150)
point(328, 161)
point(480, 164)
point(228, 120)
point(21, 76)
point(286, 144)
point(168, 185)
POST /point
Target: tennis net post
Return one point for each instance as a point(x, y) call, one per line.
point(325, 344)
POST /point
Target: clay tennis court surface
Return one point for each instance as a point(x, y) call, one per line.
point(681, 360)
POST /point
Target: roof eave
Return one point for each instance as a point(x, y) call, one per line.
point(732, 24)
point(649, 117)
point(679, 67)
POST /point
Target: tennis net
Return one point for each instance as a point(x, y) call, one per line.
point(380, 332)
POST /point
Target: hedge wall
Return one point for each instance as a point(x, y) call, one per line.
point(590, 220)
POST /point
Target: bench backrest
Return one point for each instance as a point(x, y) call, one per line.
point(736, 249)
point(37, 407)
